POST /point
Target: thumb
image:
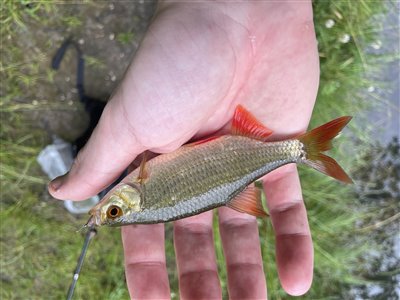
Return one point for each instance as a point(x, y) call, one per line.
point(110, 149)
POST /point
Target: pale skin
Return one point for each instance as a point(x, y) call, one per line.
point(195, 64)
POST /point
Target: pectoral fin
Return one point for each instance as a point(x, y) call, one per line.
point(143, 174)
point(248, 201)
point(203, 141)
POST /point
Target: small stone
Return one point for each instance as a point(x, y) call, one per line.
point(62, 97)
point(376, 45)
point(329, 23)
point(371, 89)
point(67, 79)
point(113, 78)
point(122, 55)
point(344, 38)
point(111, 6)
point(35, 102)
point(70, 102)
point(111, 36)
point(81, 41)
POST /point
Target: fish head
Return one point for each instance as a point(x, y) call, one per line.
point(120, 202)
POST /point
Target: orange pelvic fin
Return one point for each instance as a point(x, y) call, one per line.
point(245, 124)
point(248, 201)
point(319, 140)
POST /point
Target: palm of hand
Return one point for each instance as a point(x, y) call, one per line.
point(185, 81)
point(190, 84)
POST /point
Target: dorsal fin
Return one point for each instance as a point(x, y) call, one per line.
point(248, 201)
point(245, 124)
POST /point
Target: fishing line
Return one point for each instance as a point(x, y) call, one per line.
point(94, 107)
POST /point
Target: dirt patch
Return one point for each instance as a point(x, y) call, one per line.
point(108, 34)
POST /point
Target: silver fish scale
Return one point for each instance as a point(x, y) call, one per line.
point(195, 179)
point(211, 199)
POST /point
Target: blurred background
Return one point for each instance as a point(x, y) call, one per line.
point(355, 228)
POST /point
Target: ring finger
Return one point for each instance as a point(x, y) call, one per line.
point(195, 255)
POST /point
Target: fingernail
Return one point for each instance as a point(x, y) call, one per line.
point(56, 183)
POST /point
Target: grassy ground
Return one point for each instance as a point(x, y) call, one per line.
point(39, 243)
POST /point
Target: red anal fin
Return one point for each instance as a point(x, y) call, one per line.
point(143, 175)
point(248, 201)
point(202, 141)
point(245, 124)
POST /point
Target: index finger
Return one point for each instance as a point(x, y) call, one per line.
point(145, 266)
point(294, 250)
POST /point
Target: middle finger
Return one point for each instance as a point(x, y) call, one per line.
point(241, 243)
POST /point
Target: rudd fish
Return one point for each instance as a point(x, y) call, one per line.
point(214, 172)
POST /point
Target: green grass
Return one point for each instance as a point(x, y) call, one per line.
point(39, 242)
point(125, 37)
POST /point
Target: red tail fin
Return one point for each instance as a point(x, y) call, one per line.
point(319, 140)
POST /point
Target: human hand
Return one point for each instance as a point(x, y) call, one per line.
point(195, 64)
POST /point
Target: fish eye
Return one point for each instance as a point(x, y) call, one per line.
point(114, 211)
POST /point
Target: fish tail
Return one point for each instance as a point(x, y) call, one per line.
point(319, 140)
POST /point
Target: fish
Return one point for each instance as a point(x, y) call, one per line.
point(213, 172)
